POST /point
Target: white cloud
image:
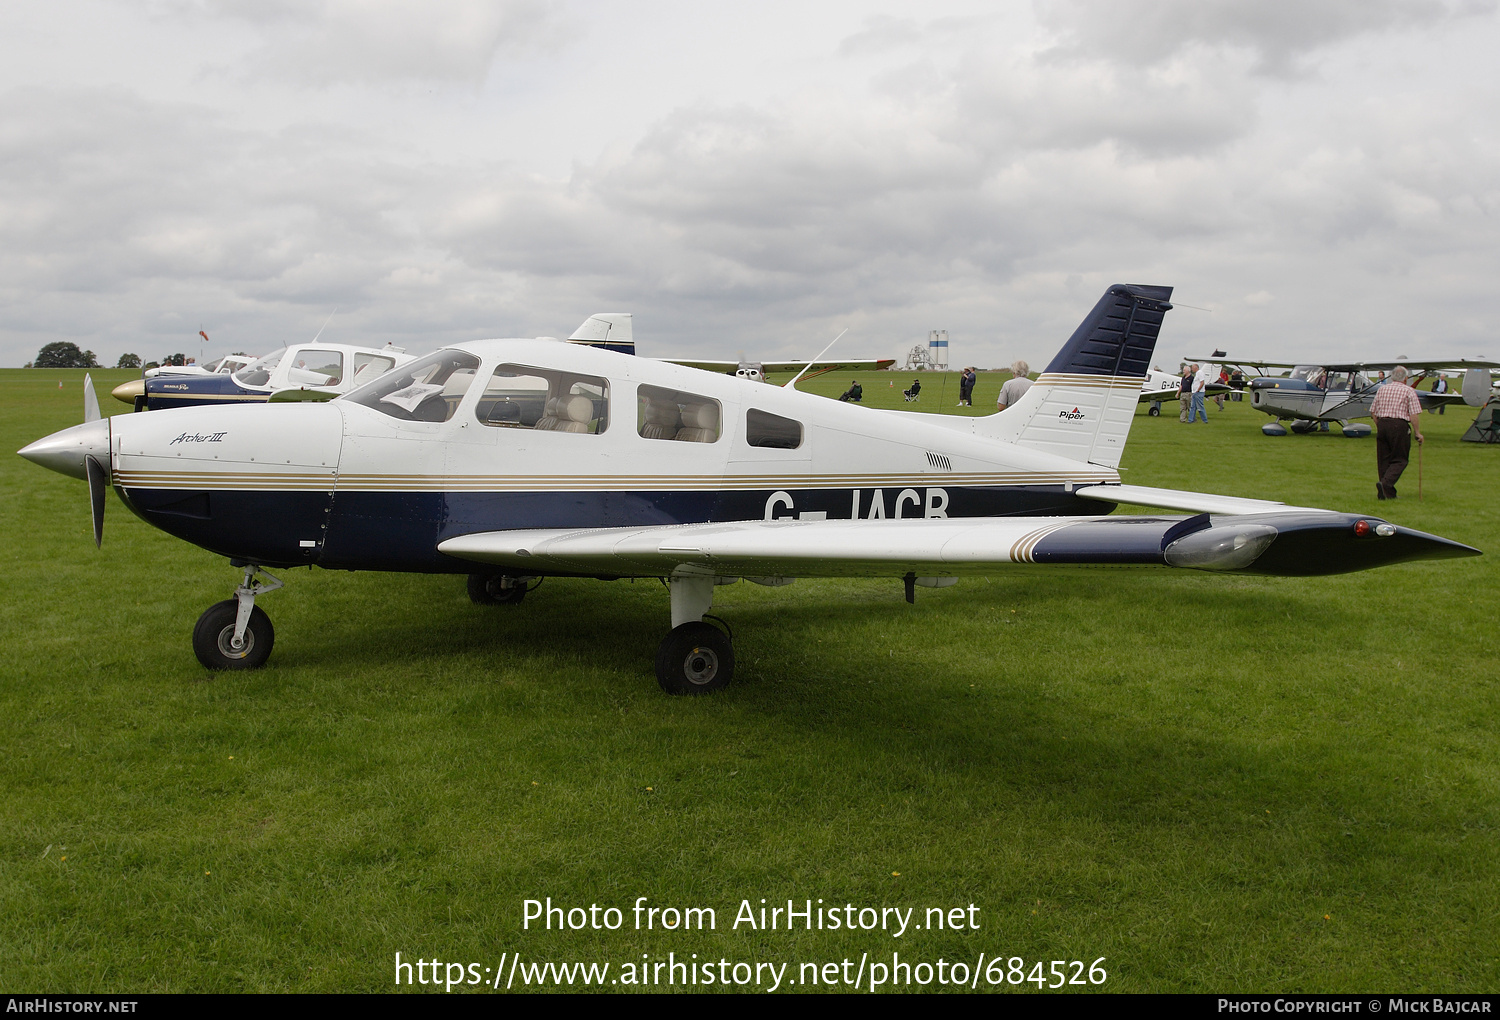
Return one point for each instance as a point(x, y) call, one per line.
point(965, 173)
point(324, 42)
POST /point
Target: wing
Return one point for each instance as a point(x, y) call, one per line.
point(866, 365)
point(1445, 365)
point(728, 367)
point(1290, 542)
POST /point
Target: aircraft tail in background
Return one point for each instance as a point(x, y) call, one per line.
point(1082, 404)
point(612, 331)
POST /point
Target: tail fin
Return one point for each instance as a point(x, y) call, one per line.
point(610, 330)
point(1082, 404)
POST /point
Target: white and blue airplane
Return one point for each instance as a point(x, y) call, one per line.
point(513, 460)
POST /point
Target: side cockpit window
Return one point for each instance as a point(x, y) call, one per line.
point(679, 416)
point(772, 431)
point(546, 400)
point(428, 389)
point(258, 373)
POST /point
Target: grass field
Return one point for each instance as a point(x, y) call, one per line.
point(1215, 783)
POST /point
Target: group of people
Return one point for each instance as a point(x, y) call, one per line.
point(1192, 393)
point(1010, 391)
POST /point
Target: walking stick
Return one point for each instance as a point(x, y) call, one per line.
point(1419, 470)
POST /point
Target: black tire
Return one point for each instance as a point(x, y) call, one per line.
point(1154, 412)
point(215, 629)
point(695, 658)
point(485, 590)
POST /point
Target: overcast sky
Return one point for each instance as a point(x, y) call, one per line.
point(1323, 176)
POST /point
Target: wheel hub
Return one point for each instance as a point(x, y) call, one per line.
point(227, 647)
point(701, 665)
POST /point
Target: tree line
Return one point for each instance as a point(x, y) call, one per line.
point(62, 354)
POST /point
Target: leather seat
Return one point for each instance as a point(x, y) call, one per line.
point(662, 419)
point(576, 413)
point(700, 424)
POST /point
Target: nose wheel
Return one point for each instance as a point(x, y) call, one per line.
point(236, 633)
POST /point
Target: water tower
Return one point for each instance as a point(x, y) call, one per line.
point(937, 349)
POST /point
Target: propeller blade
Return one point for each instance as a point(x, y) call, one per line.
point(90, 400)
point(97, 476)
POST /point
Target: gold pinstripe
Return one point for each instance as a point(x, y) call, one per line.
point(314, 480)
point(1071, 380)
point(1021, 550)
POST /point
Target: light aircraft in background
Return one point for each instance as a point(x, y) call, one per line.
point(313, 370)
point(1159, 386)
point(224, 366)
point(1313, 395)
point(613, 331)
point(640, 468)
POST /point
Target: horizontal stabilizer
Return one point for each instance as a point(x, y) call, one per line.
point(1178, 499)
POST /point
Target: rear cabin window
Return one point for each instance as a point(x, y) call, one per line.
point(772, 431)
point(428, 389)
point(316, 368)
point(368, 366)
point(675, 415)
point(527, 397)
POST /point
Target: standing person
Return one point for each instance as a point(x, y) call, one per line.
point(1395, 408)
point(966, 382)
point(1185, 394)
point(1015, 386)
point(1441, 386)
point(1200, 388)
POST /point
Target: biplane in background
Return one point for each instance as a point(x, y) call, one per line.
point(1313, 396)
point(639, 468)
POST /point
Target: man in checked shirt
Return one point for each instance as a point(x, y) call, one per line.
point(1394, 408)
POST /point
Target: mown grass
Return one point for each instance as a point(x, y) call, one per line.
point(1215, 783)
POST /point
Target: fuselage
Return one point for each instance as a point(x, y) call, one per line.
point(515, 434)
point(1312, 393)
point(323, 367)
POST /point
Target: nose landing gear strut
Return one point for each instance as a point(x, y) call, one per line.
point(236, 633)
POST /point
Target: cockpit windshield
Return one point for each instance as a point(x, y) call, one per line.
point(428, 389)
point(258, 373)
point(1305, 372)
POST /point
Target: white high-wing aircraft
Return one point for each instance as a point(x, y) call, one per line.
point(510, 460)
point(1159, 386)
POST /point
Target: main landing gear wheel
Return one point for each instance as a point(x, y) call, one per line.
point(493, 590)
point(1154, 411)
point(213, 638)
point(695, 658)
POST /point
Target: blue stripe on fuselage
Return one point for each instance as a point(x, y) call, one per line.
point(401, 530)
point(187, 391)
